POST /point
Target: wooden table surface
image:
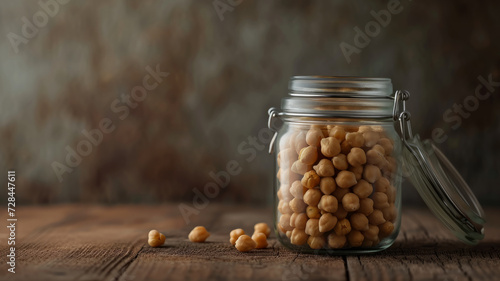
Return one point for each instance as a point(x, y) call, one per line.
point(109, 243)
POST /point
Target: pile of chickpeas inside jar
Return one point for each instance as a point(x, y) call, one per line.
point(336, 186)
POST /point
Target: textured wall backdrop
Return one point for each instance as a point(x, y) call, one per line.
point(64, 76)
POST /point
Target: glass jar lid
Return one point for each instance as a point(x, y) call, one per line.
point(438, 182)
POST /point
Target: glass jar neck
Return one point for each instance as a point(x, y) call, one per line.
point(338, 97)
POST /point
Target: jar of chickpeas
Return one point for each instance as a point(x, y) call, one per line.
point(342, 145)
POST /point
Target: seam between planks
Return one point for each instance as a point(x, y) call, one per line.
point(124, 268)
point(346, 267)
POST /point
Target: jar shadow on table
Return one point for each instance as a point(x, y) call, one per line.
point(425, 247)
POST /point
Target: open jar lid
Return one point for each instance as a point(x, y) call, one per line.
point(439, 184)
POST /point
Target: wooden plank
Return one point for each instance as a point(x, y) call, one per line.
point(180, 259)
point(87, 243)
point(425, 250)
point(109, 243)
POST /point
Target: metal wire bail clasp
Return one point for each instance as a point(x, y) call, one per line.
point(273, 113)
point(400, 114)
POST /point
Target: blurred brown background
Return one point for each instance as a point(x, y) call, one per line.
point(223, 76)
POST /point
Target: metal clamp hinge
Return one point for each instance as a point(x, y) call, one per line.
point(273, 113)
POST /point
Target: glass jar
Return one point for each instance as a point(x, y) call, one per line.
point(339, 160)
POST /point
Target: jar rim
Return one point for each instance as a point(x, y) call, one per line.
point(339, 97)
point(340, 86)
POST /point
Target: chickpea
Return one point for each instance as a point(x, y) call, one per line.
point(328, 203)
point(371, 173)
point(308, 155)
point(284, 208)
point(260, 240)
point(365, 128)
point(244, 243)
point(263, 228)
point(316, 242)
point(362, 189)
point(390, 213)
point(325, 168)
point(289, 233)
point(312, 227)
point(381, 185)
point(297, 190)
point(285, 222)
point(313, 212)
point(301, 221)
point(345, 179)
point(280, 194)
point(155, 238)
point(371, 138)
point(366, 206)
point(376, 158)
point(300, 168)
point(355, 238)
point(339, 193)
point(336, 241)
point(386, 229)
point(300, 142)
point(285, 192)
point(355, 139)
point(379, 148)
point(390, 168)
point(287, 177)
point(297, 205)
point(327, 185)
point(391, 194)
point(293, 217)
point(356, 157)
point(338, 133)
point(340, 162)
point(372, 233)
point(299, 237)
point(235, 234)
point(198, 234)
point(327, 222)
point(310, 179)
point(324, 129)
point(350, 202)
point(280, 228)
point(380, 200)
point(387, 145)
point(359, 222)
point(314, 136)
point(358, 172)
point(341, 213)
point(285, 141)
point(376, 218)
point(312, 197)
point(371, 243)
point(287, 157)
point(330, 147)
point(342, 228)
point(345, 147)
